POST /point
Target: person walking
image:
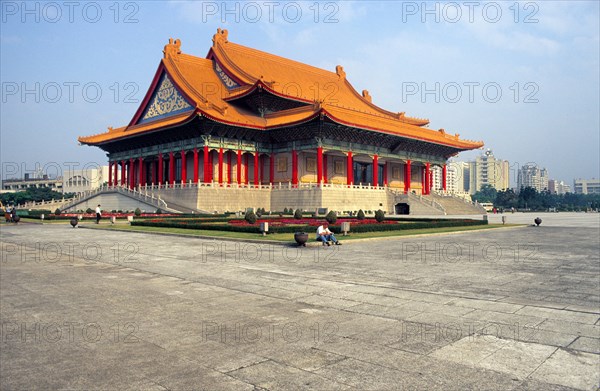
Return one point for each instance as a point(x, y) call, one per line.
point(98, 214)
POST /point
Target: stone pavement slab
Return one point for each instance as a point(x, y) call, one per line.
point(513, 310)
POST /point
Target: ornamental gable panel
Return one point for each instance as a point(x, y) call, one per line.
point(165, 101)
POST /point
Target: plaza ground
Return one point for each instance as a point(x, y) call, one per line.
point(493, 309)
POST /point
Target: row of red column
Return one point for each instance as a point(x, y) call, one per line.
point(157, 171)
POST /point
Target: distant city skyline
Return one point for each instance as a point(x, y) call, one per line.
point(525, 81)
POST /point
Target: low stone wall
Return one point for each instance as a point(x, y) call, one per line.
point(353, 199)
point(212, 198)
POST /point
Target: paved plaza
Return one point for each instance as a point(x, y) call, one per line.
point(500, 309)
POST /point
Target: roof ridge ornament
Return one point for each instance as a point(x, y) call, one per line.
point(220, 36)
point(340, 72)
point(173, 48)
point(367, 96)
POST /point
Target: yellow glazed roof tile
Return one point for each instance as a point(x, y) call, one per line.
point(198, 81)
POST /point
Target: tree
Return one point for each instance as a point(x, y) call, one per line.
point(250, 217)
point(298, 214)
point(528, 198)
point(360, 215)
point(331, 217)
point(379, 216)
point(486, 194)
point(506, 199)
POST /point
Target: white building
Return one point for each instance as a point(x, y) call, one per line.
point(530, 175)
point(586, 186)
point(15, 185)
point(558, 187)
point(456, 172)
point(488, 170)
point(79, 181)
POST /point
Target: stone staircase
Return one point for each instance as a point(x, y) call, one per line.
point(457, 205)
point(146, 200)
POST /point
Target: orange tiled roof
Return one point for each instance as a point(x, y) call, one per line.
point(197, 80)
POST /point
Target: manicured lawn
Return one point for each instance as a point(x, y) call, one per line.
point(287, 237)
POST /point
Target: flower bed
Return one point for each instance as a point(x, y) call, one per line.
point(283, 225)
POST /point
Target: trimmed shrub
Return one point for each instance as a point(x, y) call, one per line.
point(285, 211)
point(89, 210)
point(380, 216)
point(360, 215)
point(250, 217)
point(331, 217)
point(424, 223)
point(57, 212)
point(158, 211)
point(137, 212)
point(298, 214)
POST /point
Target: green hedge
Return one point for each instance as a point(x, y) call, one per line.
point(432, 223)
point(223, 227)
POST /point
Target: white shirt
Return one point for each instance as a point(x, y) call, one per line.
point(323, 231)
point(98, 209)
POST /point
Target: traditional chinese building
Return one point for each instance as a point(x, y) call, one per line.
point(244, 128)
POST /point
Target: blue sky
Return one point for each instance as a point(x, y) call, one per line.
point(521, 76)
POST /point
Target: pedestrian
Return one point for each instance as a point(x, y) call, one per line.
point(8, 214)
point(98, 214)
point(325, 235)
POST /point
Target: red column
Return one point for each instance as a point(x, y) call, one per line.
point(385, 174)
point(160, 168)
point(110, 181)
point(220, 166)
point(444, 173)
point(427, 178)
point(154, 172)
point(349, 169)
point(324, 168)
point(131, 174)
point(195, 179)
point(272, 168)
point(261, 168)
point(319, 165)
point(294, 167)
point(256, 164)
point(183, 167)
point(430, 182)
point(211, 168)
point(142, 181)
point(239, 167)
point(407, 175)
point(229, 167)
point(375, 170)
point(246, 169)
point(171, 168)
point(115, 174)
point(206, 172)
point(123, 171)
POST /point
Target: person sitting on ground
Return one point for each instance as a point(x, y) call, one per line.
point(325, 235)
